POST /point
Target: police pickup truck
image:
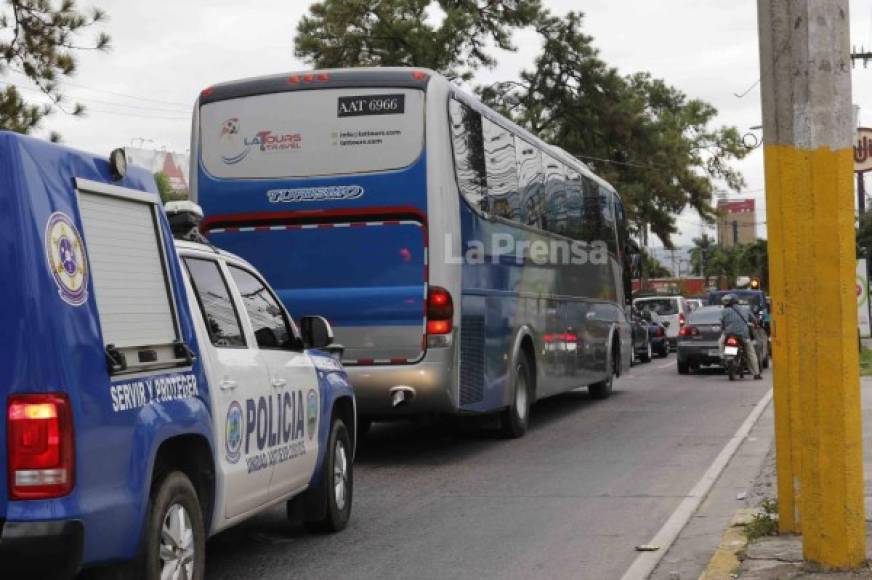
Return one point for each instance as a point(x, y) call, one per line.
point(153, 392)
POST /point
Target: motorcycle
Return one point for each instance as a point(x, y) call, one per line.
point(735, 360)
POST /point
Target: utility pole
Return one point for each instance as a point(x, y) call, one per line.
point(808, 135)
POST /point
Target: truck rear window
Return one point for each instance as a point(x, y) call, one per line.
point(312, 132)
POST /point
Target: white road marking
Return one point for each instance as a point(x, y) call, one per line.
point(645, 563)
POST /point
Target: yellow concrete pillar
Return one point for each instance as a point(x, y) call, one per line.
point(807, 118)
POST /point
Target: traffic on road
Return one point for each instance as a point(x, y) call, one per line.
point(406, 257)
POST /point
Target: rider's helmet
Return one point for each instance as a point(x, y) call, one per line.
point(729, 299)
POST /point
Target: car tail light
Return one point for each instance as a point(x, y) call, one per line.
point(419, 75)
point(40, 441)
point(732, 341)
point(688, 331)
point(440, 311)
point(681, 319)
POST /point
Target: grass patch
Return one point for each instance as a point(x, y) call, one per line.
point(866, 361)
point(764, 523)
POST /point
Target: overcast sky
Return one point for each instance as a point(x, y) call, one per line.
point(165, 52)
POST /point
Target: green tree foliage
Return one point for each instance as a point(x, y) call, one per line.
point(652, 268)
point(710, 260)
point(653, 143)
point(39, 39)
point(703, 250)
point(864, 235)
point(165, 188)
point(344, 33)
point(755, 261)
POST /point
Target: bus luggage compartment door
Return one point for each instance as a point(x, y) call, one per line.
point(368, 278)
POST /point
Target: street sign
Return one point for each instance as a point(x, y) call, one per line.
point(863, 299)
point(863, 150)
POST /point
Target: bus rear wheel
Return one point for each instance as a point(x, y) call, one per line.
point(515, 419)
point(603, 389)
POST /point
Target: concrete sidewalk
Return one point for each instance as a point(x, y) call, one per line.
point(780, 557)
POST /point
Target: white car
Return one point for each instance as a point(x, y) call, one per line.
point(672, 310)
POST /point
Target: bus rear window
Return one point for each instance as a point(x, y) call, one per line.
point(308, 133)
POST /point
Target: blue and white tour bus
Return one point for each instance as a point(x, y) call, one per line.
point(465, 265)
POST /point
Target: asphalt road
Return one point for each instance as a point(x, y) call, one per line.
point(589, 481)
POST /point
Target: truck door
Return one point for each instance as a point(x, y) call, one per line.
point(294, 413)
point(239, 386)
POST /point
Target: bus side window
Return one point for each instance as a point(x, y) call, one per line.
point(592, 216)
point(609, 232)
point(574, 205)
point(469, 164)
point(502, 172)
point(555, 219)
point(530, 183)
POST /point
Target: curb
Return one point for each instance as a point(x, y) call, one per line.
point(647, 561)
point(724, 564)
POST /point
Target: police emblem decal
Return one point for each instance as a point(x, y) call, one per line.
point(65, 253)
point(233, 433)
point(311, 413)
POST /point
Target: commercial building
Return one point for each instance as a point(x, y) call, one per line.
point(737, 222)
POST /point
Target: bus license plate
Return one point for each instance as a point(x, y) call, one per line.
point(731, 350)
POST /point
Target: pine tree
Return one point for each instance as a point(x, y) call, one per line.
point(346, 33)
point(39, 41)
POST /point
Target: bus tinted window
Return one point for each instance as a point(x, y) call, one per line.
point(468, 145)
point(609, 230)
point(313, 132)
point(555, 218)
point(530, 183)
point(502, 171)
point(592, 217)
point(574, 205)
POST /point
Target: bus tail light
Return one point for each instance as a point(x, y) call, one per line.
point(40, 444)
point(440, 315)
point(308, 78)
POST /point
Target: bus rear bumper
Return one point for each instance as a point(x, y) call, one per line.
point(427, 387)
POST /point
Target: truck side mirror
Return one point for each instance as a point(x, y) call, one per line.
point(316, 332)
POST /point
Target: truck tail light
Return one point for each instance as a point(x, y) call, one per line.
point(40, 441)
point(440, 311)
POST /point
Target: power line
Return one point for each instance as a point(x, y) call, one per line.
point(117, 94)
point(99, 110)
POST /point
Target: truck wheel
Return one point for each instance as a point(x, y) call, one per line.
point(336, 488)
point(516, 418)
point(175, 536)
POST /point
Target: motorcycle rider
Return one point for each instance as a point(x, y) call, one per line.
point(734, 323)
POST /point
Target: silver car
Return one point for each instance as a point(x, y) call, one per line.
point(698, 340)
